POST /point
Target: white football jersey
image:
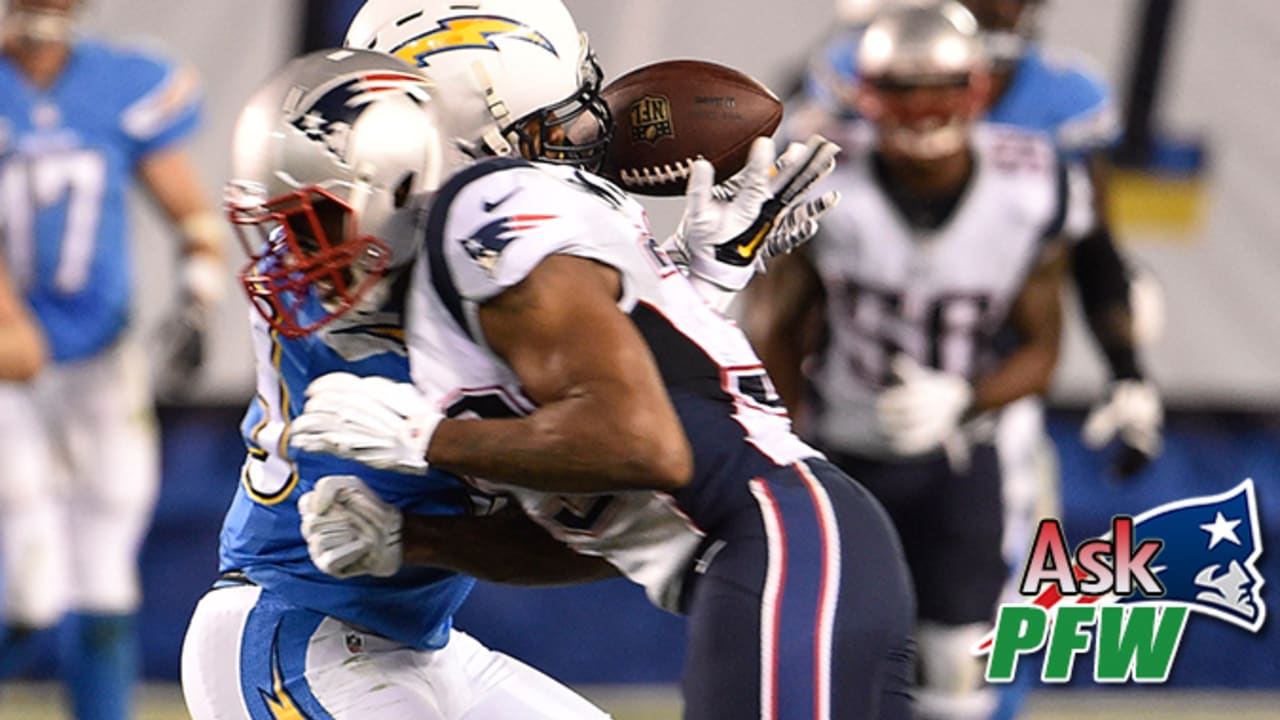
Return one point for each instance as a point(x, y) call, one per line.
point(938, 295)
point(490, 226)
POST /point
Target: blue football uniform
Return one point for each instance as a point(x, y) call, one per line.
point(67, 156)
point(277, 638)
point(261, 535)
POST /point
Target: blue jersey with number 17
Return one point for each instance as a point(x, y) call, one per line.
point(67, 153)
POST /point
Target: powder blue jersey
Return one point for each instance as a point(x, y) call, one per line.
point(261, 534)
point(1071, 105)
point(67, 154)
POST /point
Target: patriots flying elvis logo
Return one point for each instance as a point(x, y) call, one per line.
point(327, 115)
point(1135, 586)
point(485, 245)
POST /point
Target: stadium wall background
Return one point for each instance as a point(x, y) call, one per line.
point(1214, 251)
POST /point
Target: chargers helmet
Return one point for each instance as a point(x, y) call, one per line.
point(517, 75)
point(333, 162)
point(924, 80)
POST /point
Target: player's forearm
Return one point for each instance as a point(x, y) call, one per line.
point(583, 443)
point(23, 349)
point(782, 358)
point(24, 353)
point(504, 548)
point(1028, 371)
point(1103, 283)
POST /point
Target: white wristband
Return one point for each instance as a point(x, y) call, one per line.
point(204, 279)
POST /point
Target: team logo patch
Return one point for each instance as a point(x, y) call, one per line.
point(651, 119)
point(468, 32)
point(487, 244)
point(327, 115)
point(1135, 586)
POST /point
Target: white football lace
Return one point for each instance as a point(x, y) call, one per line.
point(650, 176)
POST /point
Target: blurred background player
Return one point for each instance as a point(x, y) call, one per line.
point(948, 233)
point(340, 140)
point(22, 346)
point(80, 119)
point(1073, 105)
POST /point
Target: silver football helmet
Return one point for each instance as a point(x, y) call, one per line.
point(333, 161)
point(924, 80)
point(517, 75)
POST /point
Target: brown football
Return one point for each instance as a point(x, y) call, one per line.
point(668, 114)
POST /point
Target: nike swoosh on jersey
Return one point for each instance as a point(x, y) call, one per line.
point(491, 206)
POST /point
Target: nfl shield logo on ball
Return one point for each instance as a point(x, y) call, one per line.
point(651, 119)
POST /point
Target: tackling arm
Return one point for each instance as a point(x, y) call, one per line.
point(351, 531)
point(1037, 316)
point(23, 351)
point(505, 547)
point(604, 421)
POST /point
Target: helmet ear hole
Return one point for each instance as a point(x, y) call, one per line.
point(400, 198)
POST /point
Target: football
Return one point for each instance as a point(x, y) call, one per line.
point(668, 114)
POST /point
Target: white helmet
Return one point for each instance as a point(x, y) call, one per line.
point(333, 162)
point(517, 75)
point(931, 47)
point(42, 21)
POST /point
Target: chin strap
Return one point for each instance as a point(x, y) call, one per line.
point(493, 137)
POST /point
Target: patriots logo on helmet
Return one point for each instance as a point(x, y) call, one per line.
point(487, 244)
point(329, 117)
point(474, 32)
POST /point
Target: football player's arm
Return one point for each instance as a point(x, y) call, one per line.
point(1037, 316)
point(604, 420)
point(505, 547)
point(783, 317)
point(171, 179)
point(1102, 280)
point(23, 350)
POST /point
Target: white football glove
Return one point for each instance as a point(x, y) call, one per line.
point(1135, 415)
point(372, 420)
point(729, 230)
point(349, 529)
point(924, 412)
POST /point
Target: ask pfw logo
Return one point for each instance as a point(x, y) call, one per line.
point(1127, 595)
